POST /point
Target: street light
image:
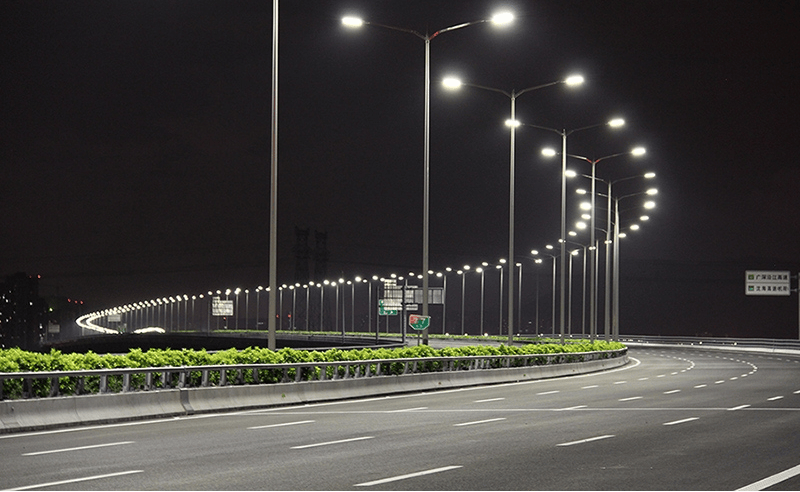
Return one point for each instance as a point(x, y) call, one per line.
point(512, 123)
point(636, 151)
point(553, 310)
point(613, 123)
point(647, 205)
point(502, 18)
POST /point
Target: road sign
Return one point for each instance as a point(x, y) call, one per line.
point(418, 322)
point(767, 283)
point(385, 308)
point(220, 307)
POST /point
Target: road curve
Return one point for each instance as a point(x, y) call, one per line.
point(674, 418)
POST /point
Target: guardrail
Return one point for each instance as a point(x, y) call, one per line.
point(28, 385)
point(771, 344)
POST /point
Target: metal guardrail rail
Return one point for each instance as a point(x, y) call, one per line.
point(760, 343)
point(26, 385)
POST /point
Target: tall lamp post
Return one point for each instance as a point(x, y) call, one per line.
point(637, 151)
point(454, 83)
point(355, 22)
point(553, 310)
point(614, 123)
point(647, 205)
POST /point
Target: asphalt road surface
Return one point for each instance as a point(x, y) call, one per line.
point(672, 419)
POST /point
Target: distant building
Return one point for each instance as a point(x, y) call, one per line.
point(23, 319)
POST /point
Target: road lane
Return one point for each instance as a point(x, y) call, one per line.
point(516, 439)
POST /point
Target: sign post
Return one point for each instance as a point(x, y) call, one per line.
point(419, 323)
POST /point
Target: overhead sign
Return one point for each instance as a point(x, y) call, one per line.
point(767, 283)
point(221, 307)
point(418, 322)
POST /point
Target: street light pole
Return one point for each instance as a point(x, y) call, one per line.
point(500, 19)
point(512, 123)
point(616, 122)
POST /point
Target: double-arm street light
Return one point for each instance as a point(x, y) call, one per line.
point(637, 151)
point(609, 243)
point(454, 83)
point(355, 22)
point(614, 123)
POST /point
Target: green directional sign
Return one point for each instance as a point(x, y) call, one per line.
point(418, 322)
point(385, 311)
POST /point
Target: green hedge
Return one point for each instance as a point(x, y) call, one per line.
point(16, 360)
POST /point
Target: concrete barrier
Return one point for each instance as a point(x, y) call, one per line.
point(47, 413)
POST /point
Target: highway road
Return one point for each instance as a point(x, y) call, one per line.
point(672, 419)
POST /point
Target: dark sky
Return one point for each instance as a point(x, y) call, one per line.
point(135, 144)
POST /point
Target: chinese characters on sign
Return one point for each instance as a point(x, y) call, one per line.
point(767, 283)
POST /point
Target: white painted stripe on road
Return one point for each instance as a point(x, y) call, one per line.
point(547, 393)
point(577, 407)
point(409, 475)
point(80, 448)
point(582, 441)
point(739, 407)
point(488, 400)
point(770, 481)
point(76, 480)
point(719, 382)
point(671, 392)
point(304, 446)
point(281, 425)
point(407, 409)
point(774, 398)
point(797, 392)
point(478, 422)
point(701, 386)
point(591, 386)
point(643, 379)
point(682, 421)
point(734, 378)
point(631, 398)
point(620, 382)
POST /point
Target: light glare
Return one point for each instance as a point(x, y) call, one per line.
point(502, 18)
point(574, 80)
point(351, 21)
point(616, 122)
point(451, 83)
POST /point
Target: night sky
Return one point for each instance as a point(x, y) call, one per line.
point(134, 145)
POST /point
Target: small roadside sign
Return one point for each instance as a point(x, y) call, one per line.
point(767, 283)
point(418, 322)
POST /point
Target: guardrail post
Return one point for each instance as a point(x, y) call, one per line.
point(223, 377)
point(126, 382)
point(103, 383)
point(204, 382)
point(53, 387)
